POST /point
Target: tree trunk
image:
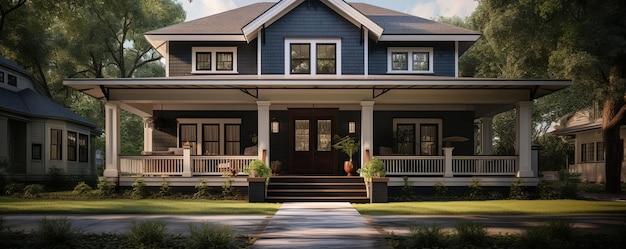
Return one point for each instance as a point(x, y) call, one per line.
point(612, 119)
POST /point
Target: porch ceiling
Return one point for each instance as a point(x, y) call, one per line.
point(488, 95)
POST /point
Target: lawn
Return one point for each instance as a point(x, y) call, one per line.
point(498, 207)
point(10, 205)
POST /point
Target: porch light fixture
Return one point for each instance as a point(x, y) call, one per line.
point(351, 127)
point(275, 125)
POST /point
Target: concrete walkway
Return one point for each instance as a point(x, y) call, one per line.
point(319, 225)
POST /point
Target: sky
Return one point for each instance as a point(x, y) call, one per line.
point(422, 8)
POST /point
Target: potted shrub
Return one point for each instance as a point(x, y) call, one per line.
point(349, 146)
point(374, 173)
point(275, 165)
point(257, 168)
point(258, 178)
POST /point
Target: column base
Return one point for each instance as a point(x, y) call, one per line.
point(111, 173)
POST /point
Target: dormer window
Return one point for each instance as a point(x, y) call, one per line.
point(313, 57)
point(214, 60)
point(410, 60)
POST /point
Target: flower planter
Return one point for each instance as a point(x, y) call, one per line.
point(256, 189)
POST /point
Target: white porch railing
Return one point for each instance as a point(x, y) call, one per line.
point(212, 165)
point(484, 165)
point(174, 165)
point(460, 165)
point(413, 165)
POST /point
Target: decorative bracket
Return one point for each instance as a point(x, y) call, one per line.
point(250, 92)
point(379, 92)
point(105, 92)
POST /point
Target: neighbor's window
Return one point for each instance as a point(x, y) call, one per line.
point(410, 60)
point(71, 146)
point(36, 151)
point(600, 151)
point(218, 60)
point(56, 143)
point(1, 76)
point(305, 56)
point(586, 152)
point(12, 80)
point(83, 148)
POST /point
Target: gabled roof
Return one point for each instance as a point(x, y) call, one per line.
point(243, 24)
point(31, 104)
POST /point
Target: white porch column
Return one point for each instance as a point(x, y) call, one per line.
point(486, 136)
point(112, 140)
point(447, 162)
point(187, 160)
point(264, 130)
point(523, 113)
point(147, 134)
point(367, 129)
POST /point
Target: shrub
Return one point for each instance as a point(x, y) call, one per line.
point(105, 188)
point(55, 233)
point(257, 168)
point(569, 184)
point(14, 189)
point(554, 234)
point(139, 189)
point(208, 235)
point(495, 195)
point(546, 190)
point(516, 192)
point(56, 179)
point(82, 189)
point(203, 190)
point(33, 190)
point(147, 233)
point(427, 236)
point(475, 190)
point(228, 190)
point(165, 189)
point(441, 190)
point(471, 233)
point(373, 168)
point(406, 193)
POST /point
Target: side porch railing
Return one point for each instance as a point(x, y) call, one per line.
point(175, 165)
point(450, 166)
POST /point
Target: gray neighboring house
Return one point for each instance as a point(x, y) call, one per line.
point(37, 134)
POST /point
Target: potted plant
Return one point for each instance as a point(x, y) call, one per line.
point(349, 146)
point(258, 178)
point(275, 165)
point(374, 173)
point(257, 168)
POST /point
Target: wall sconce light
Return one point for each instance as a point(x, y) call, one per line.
point(275, 126)
point(351, 127)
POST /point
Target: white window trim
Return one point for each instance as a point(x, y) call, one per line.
point(410, 50)
point(213, 51)
point(417, 122)
point(313, 52)
point(222, 122)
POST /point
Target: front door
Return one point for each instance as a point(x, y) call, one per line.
point(310, 143)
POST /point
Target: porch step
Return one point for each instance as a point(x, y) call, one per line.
point(316, 189)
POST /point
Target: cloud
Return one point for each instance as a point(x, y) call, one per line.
point(446, 8)
point(201, 8)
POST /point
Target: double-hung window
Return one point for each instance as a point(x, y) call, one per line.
point(312, 57)
point(416, 60)
point(83, 148)
point(71, 146)
point(214, 60)
point(211, 137)
point(56, 144)
point(417, 136)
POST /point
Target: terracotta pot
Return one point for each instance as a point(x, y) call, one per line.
point(348, 166)
point(276, 168)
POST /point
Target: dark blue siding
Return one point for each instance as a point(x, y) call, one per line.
point(315, 22)
point(443, 57)
point(180, 56)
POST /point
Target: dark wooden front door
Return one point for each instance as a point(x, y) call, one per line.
point(310, 141)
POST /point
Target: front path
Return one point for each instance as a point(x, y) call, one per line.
point(319, 225)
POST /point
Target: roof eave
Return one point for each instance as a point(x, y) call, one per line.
point(432, 37)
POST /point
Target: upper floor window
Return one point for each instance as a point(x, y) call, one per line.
point(305, 56)
point(214, 60)
point(410, 60)
point(12, 80)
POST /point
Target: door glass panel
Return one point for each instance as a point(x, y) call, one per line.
point(428, 139)
point(324, 135)
point(302, 135)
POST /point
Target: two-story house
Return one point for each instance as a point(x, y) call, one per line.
point(294, 74)
point(37, 134)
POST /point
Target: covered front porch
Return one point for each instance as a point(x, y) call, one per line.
point(282, 112)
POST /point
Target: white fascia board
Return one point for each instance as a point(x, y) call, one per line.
point(355, 16)
point(469, 38)
point(159, 45)
point(268, 17)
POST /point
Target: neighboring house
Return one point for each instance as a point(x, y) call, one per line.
point(583, 131)
point(37, 134)
point(294, 74)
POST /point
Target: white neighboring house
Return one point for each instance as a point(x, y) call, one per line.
point(37, 134)
point(583, 132)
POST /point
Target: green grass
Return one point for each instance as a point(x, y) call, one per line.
point(10, 205)
point(500, 207)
